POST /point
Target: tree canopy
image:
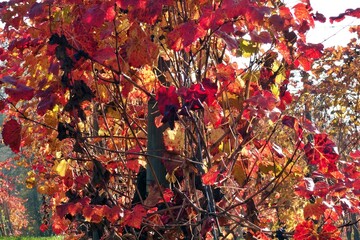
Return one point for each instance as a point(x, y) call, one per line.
point(176, 119)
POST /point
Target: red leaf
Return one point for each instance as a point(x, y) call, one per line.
point(305, 188)
point(263, 99)
point(314, 210)
point(110, 13)
point(353, 12)
point(184, 35)
point(356, 187)
point(307, 231)
point(167, 97)
point(304, 231)
point(93, 213)
point(338, 18)
point(329, 232)
point(321, 189)
point(168, 194)
point(134, 218)
point(20, 92)
point(2, 105)
point(294, 124)
point(43, 227)
point(140, 49)
point(355, 154)
point(262, 37)
point(94, 16)
point(45, 104)
point(36, 10)
point(211, 19)
point(211, 90)
point(68, 208)
point(319, 17)
point(225, 73)
point(112, 214)
point(348, 12)
point(60, 225)
point(277, 22)
point(82, 180)
point(322, 153)
point(104, 54)
point(210, 177)
point(132, 160)
point(11, 134)
point(285, 99)
point(234, 8)
point(146, 11)
point(307, 54)
point(198, 93)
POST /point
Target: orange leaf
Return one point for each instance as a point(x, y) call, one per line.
point(210, 177)
point(314, 210)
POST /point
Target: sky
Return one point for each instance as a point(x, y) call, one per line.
point(336, 33)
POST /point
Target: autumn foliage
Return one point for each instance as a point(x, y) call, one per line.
point(101, 93)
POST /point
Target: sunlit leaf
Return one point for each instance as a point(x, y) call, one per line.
point(322, 153)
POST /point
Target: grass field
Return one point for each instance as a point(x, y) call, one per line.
point(32, 238)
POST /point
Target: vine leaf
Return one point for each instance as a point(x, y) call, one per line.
point(307, 230)
point(314, 210)
point(322, 153)
point(184, 35)
point(304, 231)
point(210, 177)
point(168, 104)
point(355, 154)
point(20, 92)
point(146, 11)
point(135, 217)
point(36, 10)
point(294, 124)
point(307, 54)
point(11, 134)
point(348, 12)
point(139, 48)
point(95, 16)
point(302, 13)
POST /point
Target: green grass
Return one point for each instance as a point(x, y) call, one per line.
point(32, 238)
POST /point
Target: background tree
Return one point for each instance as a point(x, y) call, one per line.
point(331, 92)
point(193, 91)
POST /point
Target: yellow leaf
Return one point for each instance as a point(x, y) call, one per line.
point(30, 180)
point(247, 48)
point(275, 90)
point(239, 173)
point(103, 92)
point(175, 139)
point(61, 167)
point(214, 134)
point(58, 154)
point(42, 189)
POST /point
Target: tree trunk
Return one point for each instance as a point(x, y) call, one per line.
point(155, 148)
